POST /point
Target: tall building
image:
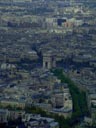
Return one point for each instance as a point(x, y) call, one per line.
point(58, 99)
point(49, 60)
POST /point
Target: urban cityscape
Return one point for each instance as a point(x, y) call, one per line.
point(47, 63)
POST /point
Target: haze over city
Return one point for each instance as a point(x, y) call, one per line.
point(47, 63)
